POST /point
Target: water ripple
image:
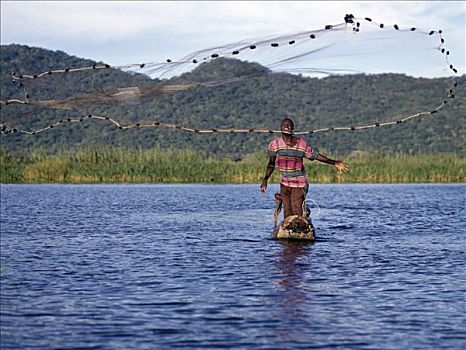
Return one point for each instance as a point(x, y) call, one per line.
point(193, 266)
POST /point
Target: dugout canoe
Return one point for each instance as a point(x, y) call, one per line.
point(295, 227)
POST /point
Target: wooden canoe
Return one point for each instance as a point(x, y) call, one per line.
point(295, 227)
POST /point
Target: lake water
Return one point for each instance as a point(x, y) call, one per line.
point(192, 267)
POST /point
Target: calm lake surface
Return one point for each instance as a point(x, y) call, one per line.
point(192, 267)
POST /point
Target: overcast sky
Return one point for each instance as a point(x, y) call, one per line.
point(132, 32)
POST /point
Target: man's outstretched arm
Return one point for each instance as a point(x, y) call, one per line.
point(342, 167)
point(268, 173)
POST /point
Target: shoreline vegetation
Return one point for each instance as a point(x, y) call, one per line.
point(121, 165)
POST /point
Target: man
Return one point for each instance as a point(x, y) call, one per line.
point(287, 152)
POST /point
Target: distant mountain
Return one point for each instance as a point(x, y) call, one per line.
point(260, 98)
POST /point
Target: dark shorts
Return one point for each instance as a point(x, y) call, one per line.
point(293, 199)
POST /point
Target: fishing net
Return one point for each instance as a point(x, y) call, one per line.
point(170, 93)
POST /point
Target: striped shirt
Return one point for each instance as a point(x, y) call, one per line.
point(289, 161)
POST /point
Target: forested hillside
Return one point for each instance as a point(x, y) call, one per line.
point(260, 100)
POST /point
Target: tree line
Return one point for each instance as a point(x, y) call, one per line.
point(260, 99)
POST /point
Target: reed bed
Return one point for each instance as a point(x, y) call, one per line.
point(120, 165)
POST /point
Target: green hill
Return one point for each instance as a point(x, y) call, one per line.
point(260, 99)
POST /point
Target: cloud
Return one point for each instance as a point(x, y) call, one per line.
point(121, 31)
point(104, 21)
point(94, 21)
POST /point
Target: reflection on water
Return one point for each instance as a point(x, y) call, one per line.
point(292, 264)
point(293, 293)
point(192, 267)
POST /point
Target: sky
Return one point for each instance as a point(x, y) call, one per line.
point(124, 32)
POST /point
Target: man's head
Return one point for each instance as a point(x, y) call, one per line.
point(287, 126)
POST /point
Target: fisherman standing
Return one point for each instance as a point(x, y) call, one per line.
point(287, 153)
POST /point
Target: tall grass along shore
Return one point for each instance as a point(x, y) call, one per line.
point(118, 165)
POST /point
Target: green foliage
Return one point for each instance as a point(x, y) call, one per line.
point(260, 99)
point(157, 165)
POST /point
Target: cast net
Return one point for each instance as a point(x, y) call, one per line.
point(170, 93)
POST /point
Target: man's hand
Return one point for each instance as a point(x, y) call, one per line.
point(342, 167)
point(263, 185)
